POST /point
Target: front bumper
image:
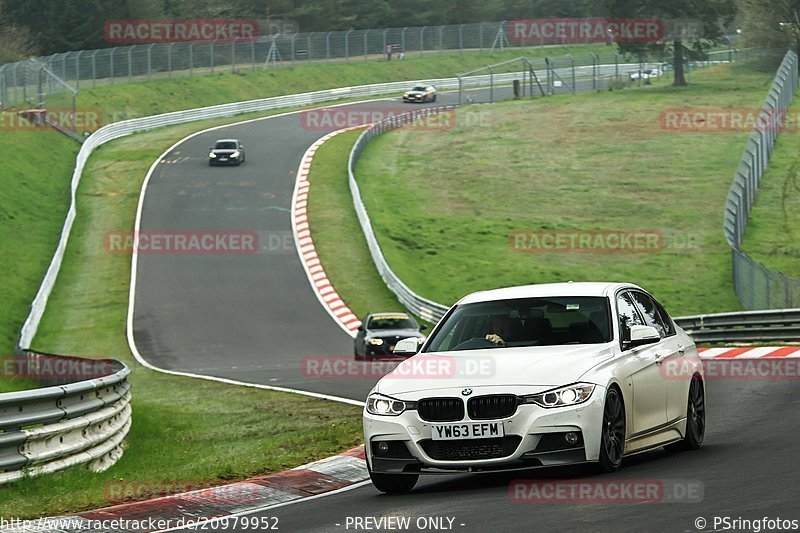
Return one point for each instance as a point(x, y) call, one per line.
point(225, 161)
point(534, 436)
point(414, 99)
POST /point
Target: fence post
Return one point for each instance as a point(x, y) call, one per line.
point(3, 95)
point(169, 59)
point(461, 38)
point(308, 49)
point(480, 35)
point(294, 36)
point(211, 55)
point(78, 70)
point(130, 63)
point(347, 45)
point(441, 30)
point(150, 60)
point(422, 40)
point(114, 49)
point(366, 44)
point(385, 42)
point(253, 54)
point(233, 57)
point(328, 45)
point(403, 40)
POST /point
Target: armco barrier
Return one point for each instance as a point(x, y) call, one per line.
point(82, 417)
point(773, 325)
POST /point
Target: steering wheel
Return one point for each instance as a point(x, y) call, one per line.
point(475, 343)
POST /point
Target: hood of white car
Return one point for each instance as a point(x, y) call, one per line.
point(537, 366)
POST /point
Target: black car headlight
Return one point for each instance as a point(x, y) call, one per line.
point(378, 404)
point(562, 397)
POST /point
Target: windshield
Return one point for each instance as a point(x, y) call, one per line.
point(225, 145)
point(420, 88)
point(524, 322)
point(392, 322)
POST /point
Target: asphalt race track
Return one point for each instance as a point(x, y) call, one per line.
point(254, 317)
point(247, 317)
point(745, 468)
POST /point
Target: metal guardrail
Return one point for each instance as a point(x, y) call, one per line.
point(426, 309)
point(747, 326)
point(756, 285)
point(82, 417)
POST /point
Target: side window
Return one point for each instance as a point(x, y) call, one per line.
point(628, 316)
point(651, 313)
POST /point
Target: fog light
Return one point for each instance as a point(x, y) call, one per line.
point(571, 438)
point(383, 448)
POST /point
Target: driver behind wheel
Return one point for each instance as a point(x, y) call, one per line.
point(500, 328)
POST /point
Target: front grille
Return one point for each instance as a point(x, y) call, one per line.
point(441, 409)
point(470, 449)
point(491, 407)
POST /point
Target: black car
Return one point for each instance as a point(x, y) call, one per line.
point(379, 333)
point(226, 152)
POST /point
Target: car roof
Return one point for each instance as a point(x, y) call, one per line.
point(570, 288)
point(387, 314)
point(227, 140)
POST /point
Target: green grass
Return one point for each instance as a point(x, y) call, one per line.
point(337, 234)
point(588, 162)
point(34, 198)
point(184, 430)
point(162, 95)
point(773, 232)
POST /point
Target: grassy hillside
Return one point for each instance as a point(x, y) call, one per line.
point(594, 162)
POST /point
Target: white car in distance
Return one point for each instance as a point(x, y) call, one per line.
point(538, 375)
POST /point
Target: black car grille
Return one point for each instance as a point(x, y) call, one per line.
point(441, 409)
point(471, 449)
point(491, 407)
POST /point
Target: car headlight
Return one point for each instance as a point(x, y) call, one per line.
point(376, 342)
point(212, 155)
point(563, 396)
point(235, 154)
point(385, 406)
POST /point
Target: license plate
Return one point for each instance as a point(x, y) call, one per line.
point(470, 430)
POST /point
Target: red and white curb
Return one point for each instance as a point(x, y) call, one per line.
point(206, 506)
point(762, 352)
point(320, 283)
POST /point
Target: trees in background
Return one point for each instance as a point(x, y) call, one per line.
point(52, 26)
point(709, 18)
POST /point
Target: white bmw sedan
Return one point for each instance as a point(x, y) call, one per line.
point(539, 375)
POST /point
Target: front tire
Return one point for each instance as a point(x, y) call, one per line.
point(612, 440)
point(695, 418)
point(393, 483)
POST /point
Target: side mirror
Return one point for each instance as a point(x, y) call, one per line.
point(408, 346)
point(423, 327)
point(361, 327)
point(641, 335)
